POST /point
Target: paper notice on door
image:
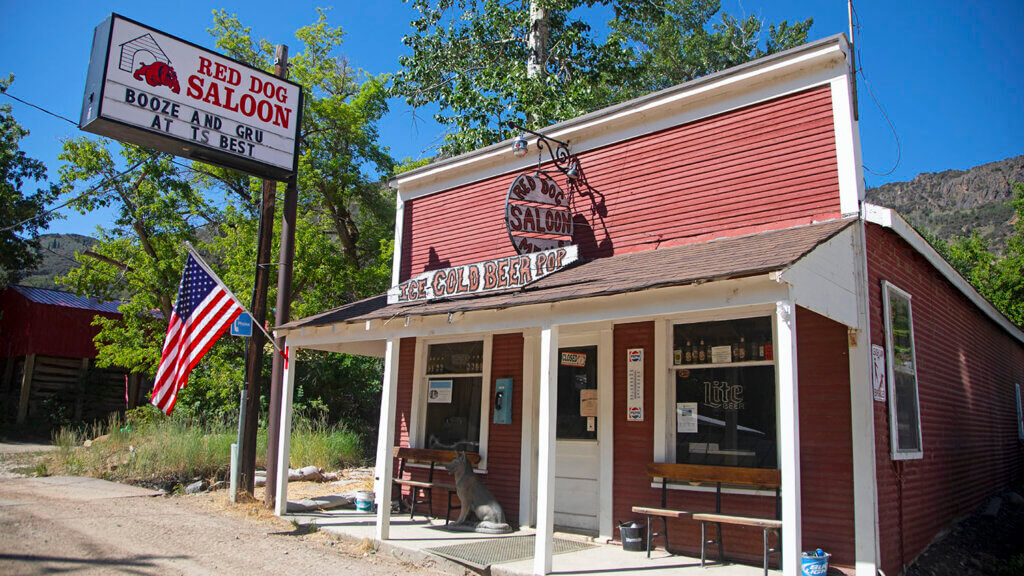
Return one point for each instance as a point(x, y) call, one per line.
point(588, 403)
point(686, 417)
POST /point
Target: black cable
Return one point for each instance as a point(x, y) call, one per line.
point(871, 92)
point(40, 108)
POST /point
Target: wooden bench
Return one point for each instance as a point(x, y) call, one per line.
point(717, 475)
point(431, 458)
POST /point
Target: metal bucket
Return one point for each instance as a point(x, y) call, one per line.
point(632, 536)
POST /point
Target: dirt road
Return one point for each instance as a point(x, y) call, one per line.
point(89, 526)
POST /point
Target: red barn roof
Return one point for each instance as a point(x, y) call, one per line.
point(50, 322)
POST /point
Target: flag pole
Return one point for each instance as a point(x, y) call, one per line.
point(206, 267)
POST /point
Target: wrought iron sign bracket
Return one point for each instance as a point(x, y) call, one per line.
point(557, 150)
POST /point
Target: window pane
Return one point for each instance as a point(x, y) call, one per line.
point(577, 371)
point(740, 340)
point(454, 425)
point(902, 343)
point(906, 412)
point(734, 420)
point(455, 358)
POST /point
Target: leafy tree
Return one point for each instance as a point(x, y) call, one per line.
point(343, 236)
point(1000, 279)
point(539, 61)
point(21, 214)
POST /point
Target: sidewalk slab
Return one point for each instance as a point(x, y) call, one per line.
point(410, 539)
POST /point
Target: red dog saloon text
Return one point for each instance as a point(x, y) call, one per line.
point(219, 84)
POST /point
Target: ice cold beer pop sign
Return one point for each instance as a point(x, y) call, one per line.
point(155, 90)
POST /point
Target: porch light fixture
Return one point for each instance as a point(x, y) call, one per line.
point(557, 150)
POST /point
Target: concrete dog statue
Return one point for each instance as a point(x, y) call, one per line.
point(475, 498)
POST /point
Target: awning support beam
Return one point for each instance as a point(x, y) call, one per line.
point(386, 440)
point(548, 415)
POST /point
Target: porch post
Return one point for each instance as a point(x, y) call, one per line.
point(284, 436)
point(789, 435)
point(386, 440)
point(548, 415)
point(531, 342)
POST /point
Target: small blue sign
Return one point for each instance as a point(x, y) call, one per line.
point(242, 326)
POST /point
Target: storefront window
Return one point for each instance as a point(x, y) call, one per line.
point(725, 403)
point(904, 414)
point(454, 390)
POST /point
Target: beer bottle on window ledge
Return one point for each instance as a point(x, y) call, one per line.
point(741, 352)
point(702, 354)
point(689, 352)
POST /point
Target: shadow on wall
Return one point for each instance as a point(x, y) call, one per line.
point(588, 219)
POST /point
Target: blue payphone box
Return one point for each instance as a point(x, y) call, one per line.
point(503, 401)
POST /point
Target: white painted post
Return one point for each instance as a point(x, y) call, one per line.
point(531, 342)
point(789, 428)
point(548, 415)
point(605, 426)
point(285, 431)
point(865, 508)
point(386, 440)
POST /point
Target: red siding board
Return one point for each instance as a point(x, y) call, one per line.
point(826, 443)
point(967, 366)
point(769, 165)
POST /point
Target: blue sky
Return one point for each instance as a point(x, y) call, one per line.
point(949, 74)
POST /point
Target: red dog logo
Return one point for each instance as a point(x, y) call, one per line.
point(158, 74)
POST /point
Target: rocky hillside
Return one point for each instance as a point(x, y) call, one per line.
point(955, 202)
point(58, 251)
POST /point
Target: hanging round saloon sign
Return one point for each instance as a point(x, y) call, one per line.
point(537, 214)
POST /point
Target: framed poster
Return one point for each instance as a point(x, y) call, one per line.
point(439, 392)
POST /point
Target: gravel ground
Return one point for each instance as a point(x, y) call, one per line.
point(53, 525)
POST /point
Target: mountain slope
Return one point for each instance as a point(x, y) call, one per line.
point(955, 202)
point(58, 252)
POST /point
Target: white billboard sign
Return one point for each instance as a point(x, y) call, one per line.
point(145, 87)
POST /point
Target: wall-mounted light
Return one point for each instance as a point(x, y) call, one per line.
point(520, 146)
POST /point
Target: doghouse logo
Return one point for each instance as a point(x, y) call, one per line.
point(143, 58)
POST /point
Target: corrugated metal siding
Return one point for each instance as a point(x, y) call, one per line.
point(633, 441)
point(28, 327)
point(770, 165)
point(967, 367)
point(66, 299)
point(826, 444)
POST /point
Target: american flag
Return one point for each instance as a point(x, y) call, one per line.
point(203, 311)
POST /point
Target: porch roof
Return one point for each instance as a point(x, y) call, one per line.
point(718, 259)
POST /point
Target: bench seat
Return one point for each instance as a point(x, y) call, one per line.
point(740, 520)
point(663, 512)
point(426, 488)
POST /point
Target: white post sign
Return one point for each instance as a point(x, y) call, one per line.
point(149, 88)
point(635, 385)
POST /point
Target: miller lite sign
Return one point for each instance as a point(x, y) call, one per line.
point(148, 88)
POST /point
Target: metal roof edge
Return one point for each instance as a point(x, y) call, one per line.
point(891, 219)
point(560, 128)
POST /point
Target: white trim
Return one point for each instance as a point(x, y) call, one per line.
point(789, 433)
point(662, 344)
point(862, 420)
point(396, 257)
point(890, 364)
point(546, 457)
point(528, 444)
point(851, 190)
point(763, 79)
point(709, 298)
point(285, 433)
point(825, 280)
point(417, 412)
point(888, 218)
point(605, 428)
point(384, 469)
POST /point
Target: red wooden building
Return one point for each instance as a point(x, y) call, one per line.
point(735, 302)
point(47, 357)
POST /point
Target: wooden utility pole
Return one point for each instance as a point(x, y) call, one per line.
point(281, 315)
point(254, 351)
